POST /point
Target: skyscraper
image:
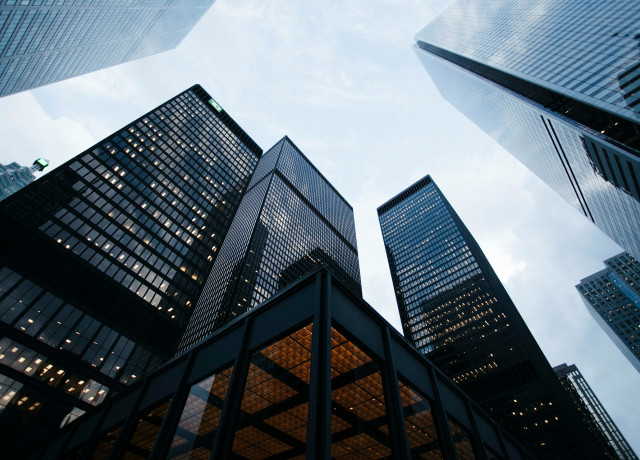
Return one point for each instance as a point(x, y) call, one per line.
point(290, 221)
point(103, 258)
point(13, 176)
point(612, 297)
point(455, 311)
point(593, 412)
point(555, 83)
point(44, 43)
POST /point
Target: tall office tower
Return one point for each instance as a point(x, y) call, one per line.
point(612, 297)
point(291, 220)
point(102, 259)
point(557, 84)
point(13, 176)
point(455, 311)
point(594, 413)
point(44, 43)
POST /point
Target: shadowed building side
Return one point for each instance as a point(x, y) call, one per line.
point(290, 215)
point(457, 313)
point(102, 258)
point(593, 413)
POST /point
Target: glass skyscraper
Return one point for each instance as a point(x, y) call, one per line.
point(455, 310)
point(557, 83)
point(291, 220)
point(103, 259)
point(13, 176)
point(612, 297)
point(593, 412)
point(43, 42)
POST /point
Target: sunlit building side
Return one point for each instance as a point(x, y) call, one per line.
point(45, 42)
point(557, 84)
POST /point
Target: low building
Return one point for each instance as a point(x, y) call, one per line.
point(314, 371)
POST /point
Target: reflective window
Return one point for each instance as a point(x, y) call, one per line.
point(462, 441)
point(421, 428)
point(146, 431)
point(290, 222)
point(16, 300)
point(359, 425)
point(27, 361)
point(199, 421)
point(273, 415)
point(71, 416)
point(44, 42)
point(8, 279)
point(18, 400)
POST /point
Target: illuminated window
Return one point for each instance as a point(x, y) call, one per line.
point(462, 441)
point(359, 425)
point(273, 414)
point(421, 429)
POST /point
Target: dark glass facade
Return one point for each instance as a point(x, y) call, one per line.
point(314, 372)
point(103, 259)
point(291, 220)
point(612, 297)
point(593, 413)
point(456, 312)
point(44, 41)
point(557, 84)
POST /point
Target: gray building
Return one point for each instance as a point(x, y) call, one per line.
point(557, 83)
point(612, 297)
point(44, 42)
point(594, 413)
point(13, 176)
point(455, 311)
point(291, 220)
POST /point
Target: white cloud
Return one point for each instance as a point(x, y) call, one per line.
point(340, 79)
point(27, 133)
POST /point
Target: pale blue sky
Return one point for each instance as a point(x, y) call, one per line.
point(340, 78)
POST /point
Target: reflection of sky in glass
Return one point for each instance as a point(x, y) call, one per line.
point(175, 178)
point(290, 221)
point(578, 48)
point(429, 251)
point(550, 146)
point(626, 290)
point(43, 44)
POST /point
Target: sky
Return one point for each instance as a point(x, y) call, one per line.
point(341, 80)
